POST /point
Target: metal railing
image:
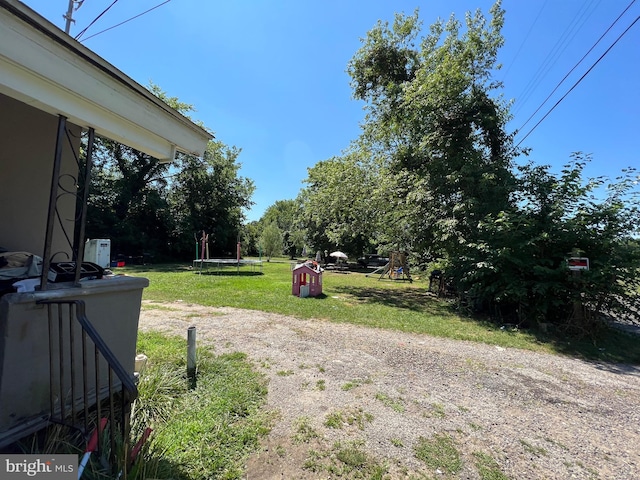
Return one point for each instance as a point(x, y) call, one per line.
point(82, 386)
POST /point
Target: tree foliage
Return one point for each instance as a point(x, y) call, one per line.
point(433, 172)
point(145, 206)
point(271, 240)
point(339, 208)
point(518, 270)
point(286, 215)
point(208, 194)
point(440, 130)
point(127, 200)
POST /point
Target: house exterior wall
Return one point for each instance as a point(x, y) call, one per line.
point(27, 148)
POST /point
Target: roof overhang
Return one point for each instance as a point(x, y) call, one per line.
point(44, 67)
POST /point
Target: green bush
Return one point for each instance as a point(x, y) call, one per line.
point(517, 268)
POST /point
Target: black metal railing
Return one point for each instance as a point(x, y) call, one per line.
point(87, 382)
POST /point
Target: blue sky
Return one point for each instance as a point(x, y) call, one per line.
point(270, 77)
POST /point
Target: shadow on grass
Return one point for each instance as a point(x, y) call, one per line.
point(159, 268)
point(612, 350)
point(181, 268)
point(414, 300)
point(228, 273)
point(322, 296)
point(160, 467)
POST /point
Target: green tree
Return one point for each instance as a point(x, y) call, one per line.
point(436, 122)
point(146, 206)
point(127, 201)
point(431, 114)
point(340, 209)
point(271, 240)
point(251, 238)
point(286, 214)
point(519, 268)
point(208, 194)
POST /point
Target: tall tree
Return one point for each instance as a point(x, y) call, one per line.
point(146, 206)
point(208, 194)
point(127, 201)
point(432, 115)
point(435, 116)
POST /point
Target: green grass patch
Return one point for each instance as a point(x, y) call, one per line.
point(438, 410)
point(488, 468)
point(304, 431)
point(355, 383)
point(361, 300)
point(396, 404)
point(439, 453)
point(396, 442)
point(202, 432)
point(346, 460)
point(532, 449)
point(348, 417)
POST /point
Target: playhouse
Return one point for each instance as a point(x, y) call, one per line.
point(307, 280)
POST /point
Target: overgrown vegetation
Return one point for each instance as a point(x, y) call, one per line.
point(439, 453)
point(202, 431)
point(346, 460)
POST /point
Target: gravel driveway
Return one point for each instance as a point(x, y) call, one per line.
point(538, 416)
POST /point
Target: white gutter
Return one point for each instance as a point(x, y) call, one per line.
point(44, 67)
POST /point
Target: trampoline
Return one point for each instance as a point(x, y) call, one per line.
point(217, 264)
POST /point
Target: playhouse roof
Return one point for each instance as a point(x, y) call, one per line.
point(306, 266)
point(49, 70)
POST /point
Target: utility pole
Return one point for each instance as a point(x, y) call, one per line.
point(69, 15)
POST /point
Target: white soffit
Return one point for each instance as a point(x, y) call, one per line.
point(42, 66)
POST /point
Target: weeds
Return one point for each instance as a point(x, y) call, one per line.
point(488, 468)
point(532, 449)
point(439, 453)
point(346, 459)
point(203, 432)
point(304, 432)
point(349, 417)
point(396, 405)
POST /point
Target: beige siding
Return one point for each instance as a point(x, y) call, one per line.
point(27, 147)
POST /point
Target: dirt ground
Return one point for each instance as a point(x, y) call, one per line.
point(537, 416)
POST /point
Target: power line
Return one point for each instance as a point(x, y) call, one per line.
point(95, 19)
point(577, 64)
point(126, 21)
point(524, 41)
point(552, 57)
point(579, 80)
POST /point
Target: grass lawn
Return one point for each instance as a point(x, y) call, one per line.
point(199, 431)
point(355, 298)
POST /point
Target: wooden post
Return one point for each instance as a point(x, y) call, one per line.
point(191, 355)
